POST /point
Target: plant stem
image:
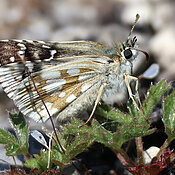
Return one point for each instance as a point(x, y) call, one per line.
point(139, 150)
point(163, 147)
point(123, 157)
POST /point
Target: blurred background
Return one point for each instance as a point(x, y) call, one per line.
point(105, 21)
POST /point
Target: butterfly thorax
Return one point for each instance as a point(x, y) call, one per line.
point(115, 80)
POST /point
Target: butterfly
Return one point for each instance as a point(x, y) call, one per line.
point(66, 76)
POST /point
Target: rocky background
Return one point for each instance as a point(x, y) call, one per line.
point(106, 21)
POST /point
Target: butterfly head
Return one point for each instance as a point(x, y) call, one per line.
point(128, 49)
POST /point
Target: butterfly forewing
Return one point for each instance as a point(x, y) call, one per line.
point(27, 50)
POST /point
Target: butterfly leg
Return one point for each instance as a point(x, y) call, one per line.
point(96, 102)
point(136, 87)
point(130, 91)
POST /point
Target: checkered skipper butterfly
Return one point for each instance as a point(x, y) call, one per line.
point(67, 75)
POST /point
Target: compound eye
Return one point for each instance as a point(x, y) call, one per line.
point(127, 53)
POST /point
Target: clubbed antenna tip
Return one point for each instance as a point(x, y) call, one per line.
point(137, 18)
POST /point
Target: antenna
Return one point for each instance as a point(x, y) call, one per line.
point(134, 39)
point(137, 18)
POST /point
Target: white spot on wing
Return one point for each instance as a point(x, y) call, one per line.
point(12, 59)
point(52, 52)
point(55, 85)
point(23, 47)
point(73, 71)
point(71, 98)
point(45, 46)
point(62, 94)
point(50, 75)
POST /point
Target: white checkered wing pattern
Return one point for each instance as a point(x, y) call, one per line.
point(58, 85)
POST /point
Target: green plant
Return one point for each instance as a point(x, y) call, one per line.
point(133, 125)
